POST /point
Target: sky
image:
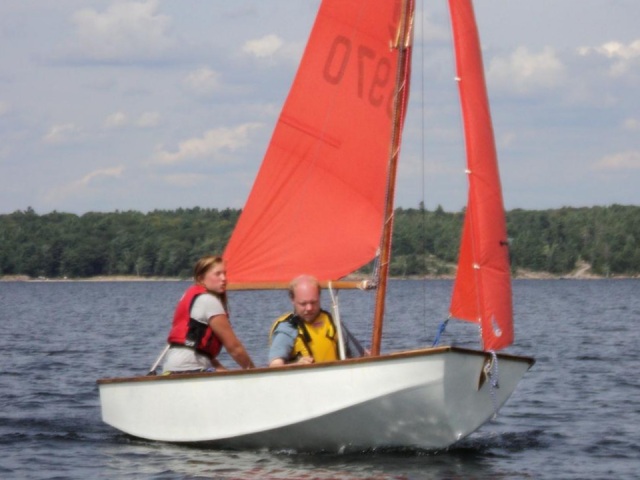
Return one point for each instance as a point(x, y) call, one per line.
point(160, 104)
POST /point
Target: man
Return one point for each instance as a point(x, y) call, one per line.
point(308, 334)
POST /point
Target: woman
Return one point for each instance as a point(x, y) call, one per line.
point(201, 324)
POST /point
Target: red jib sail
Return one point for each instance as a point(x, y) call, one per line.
point(482, 290)
point(317, 204)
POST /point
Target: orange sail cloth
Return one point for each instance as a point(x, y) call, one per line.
point(482, 290)
point(317, 204)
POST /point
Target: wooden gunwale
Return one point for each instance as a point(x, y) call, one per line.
point(350, 361)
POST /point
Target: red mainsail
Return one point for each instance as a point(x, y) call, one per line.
point(318, 201)
point(482, 290)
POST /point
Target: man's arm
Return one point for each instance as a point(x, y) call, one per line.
point(282, 342)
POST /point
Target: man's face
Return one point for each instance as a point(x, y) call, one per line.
point(306, 301)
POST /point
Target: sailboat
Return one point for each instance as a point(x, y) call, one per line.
point(323, 204)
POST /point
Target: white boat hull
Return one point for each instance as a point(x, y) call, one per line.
point(422, 399)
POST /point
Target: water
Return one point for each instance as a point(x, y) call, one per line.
point(575, 415)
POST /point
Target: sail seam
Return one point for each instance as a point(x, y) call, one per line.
point(311, 131)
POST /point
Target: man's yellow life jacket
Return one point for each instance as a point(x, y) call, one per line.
point(317, 340)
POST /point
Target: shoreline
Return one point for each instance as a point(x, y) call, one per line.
point(102, 278)
point(522, 275)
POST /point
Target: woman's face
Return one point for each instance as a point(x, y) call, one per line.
point(215, 279)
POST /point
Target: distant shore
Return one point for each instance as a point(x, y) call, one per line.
point(102, 278)
point(520, 275)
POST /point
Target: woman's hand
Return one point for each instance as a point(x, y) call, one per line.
point(222, 329)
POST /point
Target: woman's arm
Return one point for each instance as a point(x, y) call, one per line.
point(217, 365)
point(224, 331)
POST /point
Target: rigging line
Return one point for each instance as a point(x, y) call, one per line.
point(423, 214)
point(152, 370)
point(356, 343)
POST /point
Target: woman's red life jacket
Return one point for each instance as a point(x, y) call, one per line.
point(189, 332)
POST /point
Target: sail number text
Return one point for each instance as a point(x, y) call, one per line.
point(373, 74)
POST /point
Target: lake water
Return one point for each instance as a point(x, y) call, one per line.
point(575, 415)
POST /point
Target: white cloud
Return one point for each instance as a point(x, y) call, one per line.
point(525, 72)
point(632, 124)
point(88, 183)
point(61, 133)
point(105, 172)
point(116, 120)
point(507, 139)
point(121, 119)
point(623, 56)
point(126, 30)
point(264, 47)
point(433, 30)
point(203, 81)
point(4, 108)
point(184, 180)
point(629, 160)
point(212, 142)
point(148, 119)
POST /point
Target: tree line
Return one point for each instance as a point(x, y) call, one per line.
point(166, 243)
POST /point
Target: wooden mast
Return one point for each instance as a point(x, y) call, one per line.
point(401, 94)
